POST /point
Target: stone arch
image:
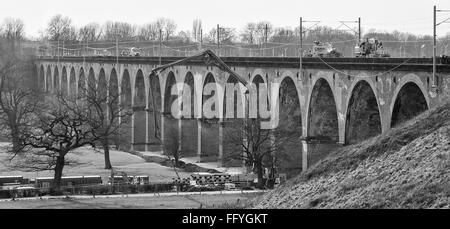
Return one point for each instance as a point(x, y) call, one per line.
point(322, 113)
point(363, 116)
point(290, 124)
point(91, 82)
point(189, 124)
point(254, 96)
point(113, 86)
point(72, 82)
point(56, 84)
point(126, 102)
point(139, 112)
point(210, 127)
point(233, 121)
point(102, 86)
point(171, 131)
point(36, 77)
point(258, 73)
point(154, 114)
point(64, 82)
point(81, 83)
point(125, 86)
point(139, 88)
point(409, 100)
point(168, 97)
point(113, 100)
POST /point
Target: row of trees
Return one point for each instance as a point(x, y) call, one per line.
point(12, 29)
point(61, 28)
point(255, 34)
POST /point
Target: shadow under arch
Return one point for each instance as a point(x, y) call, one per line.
point(363, 119)
point(139, 112)
point(72, 83)
point(289, 127)
point(154, 114)
point(189, 126)
point(410, 102)
point(56, 84)
point(81, 83)
point(322, 113)
point(125, 135)
point(171, 128)
point(210, 126)
point(322, 123)
point(64, 82)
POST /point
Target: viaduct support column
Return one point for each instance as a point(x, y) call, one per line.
point(305, 149)
point(221, 126)
point(199, 140)
point(132, 129)
point(180, 134)
point(147, 129)
point(162, 130)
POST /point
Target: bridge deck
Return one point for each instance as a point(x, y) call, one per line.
point(400, 64)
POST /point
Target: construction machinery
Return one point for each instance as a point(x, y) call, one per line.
point(134, 51)
point(371, 47)
point(321, 49)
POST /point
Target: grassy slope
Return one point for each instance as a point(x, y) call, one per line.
point(407, 167)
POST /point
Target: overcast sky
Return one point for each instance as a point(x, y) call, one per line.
point(413, 16)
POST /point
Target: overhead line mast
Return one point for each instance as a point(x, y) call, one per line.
point(434, 83)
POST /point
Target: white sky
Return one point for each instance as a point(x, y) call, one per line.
point(413, 16)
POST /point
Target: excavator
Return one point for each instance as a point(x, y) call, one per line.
point(371, 47)
point(321, 49)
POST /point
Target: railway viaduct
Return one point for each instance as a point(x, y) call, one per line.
point(334, 101)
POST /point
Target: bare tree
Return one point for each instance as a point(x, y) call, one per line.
point(196, 29)
point(90, 32)
point(18, 100)
point(167, 26)
point(13, 29)
point(260, 148)
point(121, 30)
point(64, 125)
point(172, 145)
point(248, 34)
point(148, 32)
point(60, 28)
point(107, 115)
point(226, 35)
point(283, 35)
point(263, 28)
point(184, 36)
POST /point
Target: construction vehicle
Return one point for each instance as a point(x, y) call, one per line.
point(371, 47)
point(321, 49)
point(131, 52)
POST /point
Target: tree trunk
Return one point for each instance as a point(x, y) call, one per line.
point(56, 189)
point(15, 140)
point(106, 151)
point(259, 171)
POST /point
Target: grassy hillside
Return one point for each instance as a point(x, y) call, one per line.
point(407, 167)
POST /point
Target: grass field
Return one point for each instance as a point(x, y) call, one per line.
point(149, 202)
point(91, 162)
